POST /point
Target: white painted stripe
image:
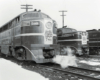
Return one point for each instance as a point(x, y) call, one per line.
point(70, 40)
point(94, 41)
point(32, 34)
point(29, 34)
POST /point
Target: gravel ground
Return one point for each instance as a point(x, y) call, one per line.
point(89, 64)
point(51, 74)
point(60, 76)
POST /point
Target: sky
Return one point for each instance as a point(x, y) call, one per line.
point(81, 15)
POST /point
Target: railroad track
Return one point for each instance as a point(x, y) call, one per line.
point(70, 73)
point(86, 71)
point(89, 58)
point(74, 72)
point(88, 66)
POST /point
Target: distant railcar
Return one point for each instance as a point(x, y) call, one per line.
point(94, 42)
point(76, 40)
point(29, 36)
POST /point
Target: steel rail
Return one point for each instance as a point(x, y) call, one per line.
point(64, 71)
point(90, 70)
point(70, 72)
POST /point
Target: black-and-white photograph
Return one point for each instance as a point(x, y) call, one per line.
point(49, 39)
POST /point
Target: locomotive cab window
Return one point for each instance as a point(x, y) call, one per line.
point(18, 19)
point(30, 15)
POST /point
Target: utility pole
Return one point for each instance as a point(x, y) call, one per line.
point(63, 17)
point(26, 7)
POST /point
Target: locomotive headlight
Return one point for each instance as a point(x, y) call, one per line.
point(35, 23)
point(49, 25)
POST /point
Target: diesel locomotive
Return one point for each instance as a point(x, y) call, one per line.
point(30, 36)
point(76, 40)
point(94, 41)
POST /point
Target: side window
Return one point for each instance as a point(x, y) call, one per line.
point(10, 24)
point(0, 30)
point(18, 19)
point(5, 27)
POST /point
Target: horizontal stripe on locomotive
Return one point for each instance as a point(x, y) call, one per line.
point(76, 44)
point(44, 46)
point(32, 34)
point(25, 29)
point(93, 44)
point(26, 40)
point(70, 40)
point(70, 37)
point(29, 34)
point(93, 41)
point(31, 40)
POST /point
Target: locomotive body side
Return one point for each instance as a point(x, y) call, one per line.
point(73, 39)
point(33, 38)
point(94, 42)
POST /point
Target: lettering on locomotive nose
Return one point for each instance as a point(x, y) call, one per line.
point(48, 35)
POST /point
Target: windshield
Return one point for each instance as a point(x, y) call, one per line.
point(30, 15)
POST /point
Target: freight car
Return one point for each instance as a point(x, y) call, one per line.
point(94, 42)
point(29, 36)
point(76, 40)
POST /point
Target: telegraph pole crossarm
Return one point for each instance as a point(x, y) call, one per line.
point(63, 16)
point(26, 7)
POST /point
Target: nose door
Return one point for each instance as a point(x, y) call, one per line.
point(48, 31)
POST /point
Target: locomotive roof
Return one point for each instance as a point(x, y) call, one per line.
point(20, 15)
point(66, 28)
point(91, 30)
